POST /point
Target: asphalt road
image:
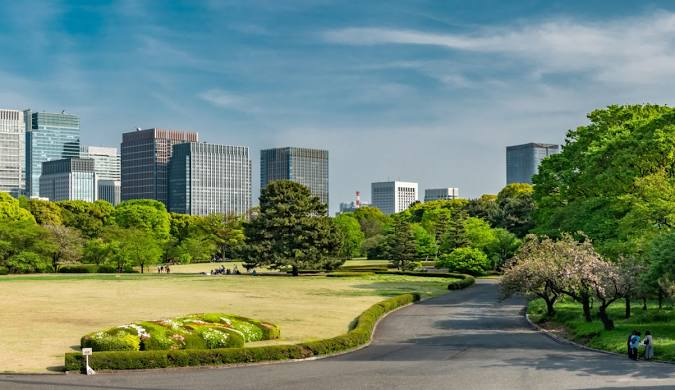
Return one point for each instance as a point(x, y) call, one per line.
point(464, 340)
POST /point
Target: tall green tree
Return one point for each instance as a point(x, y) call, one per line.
point(144, 214)
point(401, 244)
point(11, 210)
point(425, 242)
point(352, 236)
point(291, 230)
point(613, 179)
point(371, 219)
point(87, 217)
point(516, 208)
point(134, 247)
point(64, 245)
point(45, 212)
point(485, 207)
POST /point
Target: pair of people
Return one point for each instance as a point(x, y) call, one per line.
point(634, 344)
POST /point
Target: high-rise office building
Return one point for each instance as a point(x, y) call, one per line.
point(68, 179)
point(107, 168)
point(522, 161)
point(50, 136)
point(440, 194)
point(207, 178)
point(308, 167)
point(393, 196)
point(145, 156)
point(12, 152)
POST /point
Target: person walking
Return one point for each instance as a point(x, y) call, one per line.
point(628, 348)
point(649, 346)
point(635, 344)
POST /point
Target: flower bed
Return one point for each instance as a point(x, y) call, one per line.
point(197, 331)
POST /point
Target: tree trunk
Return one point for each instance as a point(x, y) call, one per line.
point(627, 307)
point(295, 271)
point(550, 308)
point(586, 304)
point(644, 303)
point(606, 321)
point(660, 299)
point(142, 268)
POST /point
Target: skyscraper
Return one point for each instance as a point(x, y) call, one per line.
point(207, 178)
point(12, 152)
point(50, 136)
point(522, 161)
point(68, 179)
point(393, 196)
point(107, 168)
point(308, 167)
point(145, 156)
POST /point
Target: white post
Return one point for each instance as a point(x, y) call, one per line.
point(86, 352)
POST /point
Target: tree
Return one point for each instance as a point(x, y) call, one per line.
point(465, 260)
point(135, 246)
point(45, 212)
point(371, 219)
point(485, 208)
point(375, 247)
point(97, 251)
point(227, 231)
point(516, 208)
point(352, 236)
point(144, 214)
point(455, 234)
point(534, 272)
point(401, 245)
point(502, 248)
point(597, 184)
point(89, 218)
point(65, 245)
point(291, 230)
point(10, 210)
point(478, 234)
point(27, 262)
point(425, 243)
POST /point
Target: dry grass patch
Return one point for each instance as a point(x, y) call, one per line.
point(44, 316)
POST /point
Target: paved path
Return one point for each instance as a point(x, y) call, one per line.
point(463, 340)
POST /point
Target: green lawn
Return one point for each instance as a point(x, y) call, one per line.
point(43, 316)
point(569, 317)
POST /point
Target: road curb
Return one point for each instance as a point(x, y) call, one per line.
point(562, 340)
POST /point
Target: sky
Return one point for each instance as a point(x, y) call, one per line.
point(424, 91)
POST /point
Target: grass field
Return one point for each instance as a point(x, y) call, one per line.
point(569, 320)
point(207, 267)
point(43, 316)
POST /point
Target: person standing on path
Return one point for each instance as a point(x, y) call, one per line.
point(634, 345)
point(649, 346)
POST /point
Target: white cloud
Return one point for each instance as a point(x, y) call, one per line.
point(632, 50)
point(224, 99)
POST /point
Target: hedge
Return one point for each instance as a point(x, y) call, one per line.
point(359, 334)
point(463, 282)
point(346, 274)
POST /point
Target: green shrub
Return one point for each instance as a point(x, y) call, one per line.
point(78, 269)
point(462, 283)
point(470, 261)
point(347, 274)
point(106, 269)
point(4, 270)
point(118, 341)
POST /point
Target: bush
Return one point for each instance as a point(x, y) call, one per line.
point(471, 261)
point(78, 269)
point(28, 262)
point(114, 341)
point(106, 269)
point(348, 274)
point(4, 270)
point(462, 283)
point(359, 334)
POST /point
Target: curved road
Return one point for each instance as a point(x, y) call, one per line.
point(463, 340)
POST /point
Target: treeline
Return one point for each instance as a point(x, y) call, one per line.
point(469, 236)
point(41, 236)
point(604, 214)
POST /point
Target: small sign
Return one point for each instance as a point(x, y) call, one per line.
point(86, 351)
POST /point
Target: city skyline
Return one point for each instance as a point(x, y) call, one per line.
point(461, 80)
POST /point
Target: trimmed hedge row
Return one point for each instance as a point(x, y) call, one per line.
point(463, 282)
point(346, 274)
point(359, 334)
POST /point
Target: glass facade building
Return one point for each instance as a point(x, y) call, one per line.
point(68, 179)
point(12, 152)
point(107, 168)
point(207, 178)
point(51, 136)
point(522, 161)
point(441, 194)
point(145, 156)
point(308, 167)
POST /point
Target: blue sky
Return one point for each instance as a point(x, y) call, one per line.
point(426, 91)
